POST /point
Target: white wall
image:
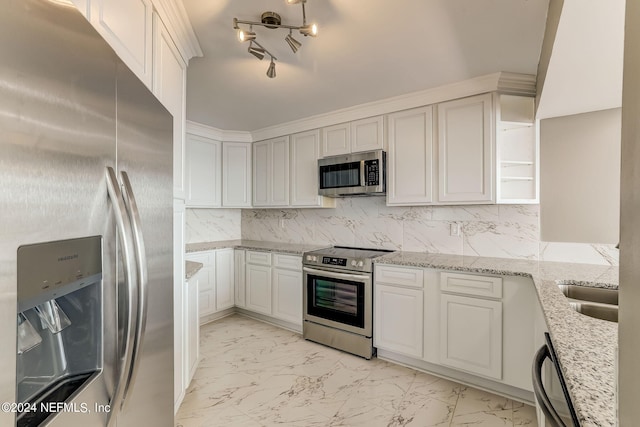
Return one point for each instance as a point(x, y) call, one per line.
point(580, 177)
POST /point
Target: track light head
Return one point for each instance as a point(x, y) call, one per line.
point(309, 30)
point(293, 43)
point(271, 71)
point(244, 35)
point(296, 1)
point(258, 52)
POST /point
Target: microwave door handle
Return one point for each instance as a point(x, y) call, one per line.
point(550, 413)
point(362, 174)
point(142, 284)
point(333, 275)
point(126, 248)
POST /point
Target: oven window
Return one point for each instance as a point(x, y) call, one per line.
point(342, 175)
point(335, 299)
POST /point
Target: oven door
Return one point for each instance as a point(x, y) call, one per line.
point(338, 299)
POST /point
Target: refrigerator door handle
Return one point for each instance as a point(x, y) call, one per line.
point(141, 267)
point(126, 348)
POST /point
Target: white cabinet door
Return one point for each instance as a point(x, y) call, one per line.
point(224, 279)
point(367, 134)
point(203, 171)
point(178, 301)
point(126, 26)
point(465, 150)
point(236, 174)
point(258, 288)
point(280, 171)
point(287, 295)
point(261, 173)
point(336, 140)
point(305, 151)
point(471, 335)
point(410, 157)
point(206, 281)
point(238, 277)
point(192, 330)
point(271, 172)
point(169, 85)
point(397, 316)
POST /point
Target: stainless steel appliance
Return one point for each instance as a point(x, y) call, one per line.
point(555, 416)
point(357, 174)
point(86, 301)
point(338, 298)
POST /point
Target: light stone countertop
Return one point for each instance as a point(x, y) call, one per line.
point(253, 245)
point(585, 346)
point(191, 268)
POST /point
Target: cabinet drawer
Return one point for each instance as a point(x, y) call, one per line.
point(469, 284)
point(260, 258)
point(290, 262)
point(411, 277)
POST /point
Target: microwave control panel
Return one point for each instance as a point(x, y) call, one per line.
point(372, 172)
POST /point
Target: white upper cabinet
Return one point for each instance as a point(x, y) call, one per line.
point(410, 157)
point(367, 134)
point(236, 174)
point(203, 172)
point(126, 26)
point(360, 135)
point(466, 150)
point(169, 85)
point(336, 140)
point(305, 152)
point(271, 172)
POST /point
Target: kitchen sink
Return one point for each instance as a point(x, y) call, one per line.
point(599, 303)
point(599, 311)
point(586, 293)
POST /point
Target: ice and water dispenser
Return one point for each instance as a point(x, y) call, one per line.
point(59, 324)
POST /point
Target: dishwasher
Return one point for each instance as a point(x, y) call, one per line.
point(543, 401)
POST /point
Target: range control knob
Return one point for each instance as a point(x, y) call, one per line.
point(314, 258)
point(308, 257)
point(353, 263)
point(360, 263)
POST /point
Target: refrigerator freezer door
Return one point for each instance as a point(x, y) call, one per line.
point(57, 134)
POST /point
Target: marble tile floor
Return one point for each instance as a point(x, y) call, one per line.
point(252, 374)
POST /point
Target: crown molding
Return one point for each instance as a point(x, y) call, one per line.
point(217, 134)
point(175, 18)
point(510, 83)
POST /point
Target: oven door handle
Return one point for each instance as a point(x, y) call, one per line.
point(331, 274)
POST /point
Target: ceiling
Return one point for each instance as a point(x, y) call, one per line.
point(366, 50)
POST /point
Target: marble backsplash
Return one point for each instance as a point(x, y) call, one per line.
point(210, 225)
point(506, 231)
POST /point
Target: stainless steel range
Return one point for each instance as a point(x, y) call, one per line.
point(338, 298)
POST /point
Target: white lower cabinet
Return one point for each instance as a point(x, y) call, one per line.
point(287, 295)
point(238, 278)
point(192, 330)
point(471, 334)
point(215, 280)
point(273, 286)
point(258, 288)
point(470, 327)
point(398, 324)
point(224, 279)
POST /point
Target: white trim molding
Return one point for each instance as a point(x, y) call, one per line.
point(210, 132)
point(175, 18)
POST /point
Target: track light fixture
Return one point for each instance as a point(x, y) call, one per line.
point(258, 52)
point(272, 20)
point(271, 71)
point(293, 43)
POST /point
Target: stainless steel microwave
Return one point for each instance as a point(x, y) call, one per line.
point(356, 174)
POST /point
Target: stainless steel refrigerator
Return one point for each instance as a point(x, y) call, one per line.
point(86, 300)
